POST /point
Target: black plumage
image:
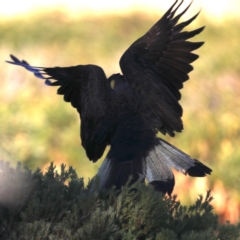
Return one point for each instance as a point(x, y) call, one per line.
point(126, 111)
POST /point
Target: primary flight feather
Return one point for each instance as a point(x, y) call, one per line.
point(143, 100)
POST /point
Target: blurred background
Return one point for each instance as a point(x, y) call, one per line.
point(37, 126)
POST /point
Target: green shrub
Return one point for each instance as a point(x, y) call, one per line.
point(59, 206)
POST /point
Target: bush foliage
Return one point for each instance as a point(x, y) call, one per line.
point(57, 205)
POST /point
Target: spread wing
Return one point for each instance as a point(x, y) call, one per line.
point(157, 64)
point(87, 89)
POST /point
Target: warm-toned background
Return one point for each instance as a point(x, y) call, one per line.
point(37, 127)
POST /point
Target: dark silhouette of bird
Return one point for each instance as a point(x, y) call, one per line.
point(126, 111)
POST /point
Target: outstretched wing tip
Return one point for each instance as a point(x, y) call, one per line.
point(37, 71)
point(15, 60)
point(48, 82)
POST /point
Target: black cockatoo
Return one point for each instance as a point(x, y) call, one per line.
point(126, 111)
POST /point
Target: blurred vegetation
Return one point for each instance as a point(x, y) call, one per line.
point(37, 126)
